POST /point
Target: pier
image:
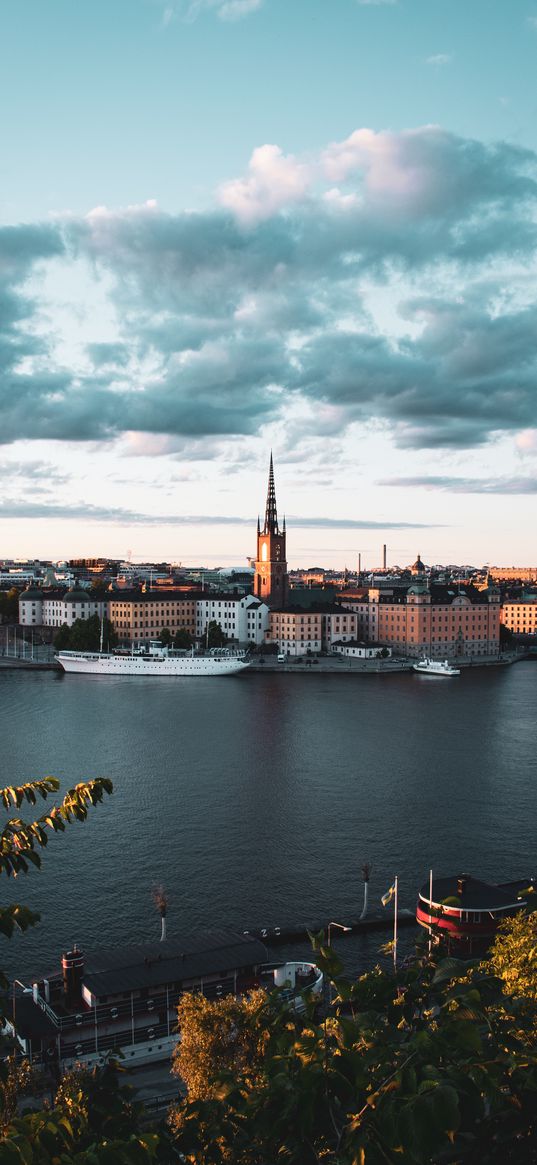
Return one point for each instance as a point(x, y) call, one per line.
point(300, 931)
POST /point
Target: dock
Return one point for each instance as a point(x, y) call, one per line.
point(300, 931)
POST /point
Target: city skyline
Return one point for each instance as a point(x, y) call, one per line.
point(234, 225)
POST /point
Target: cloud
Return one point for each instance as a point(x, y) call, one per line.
point(32, 471)
point(227, 10)
point(465, 485)
point(438, 60)
point(275, 180)
point(90, 513)
point(237, 9)
point(256, 311)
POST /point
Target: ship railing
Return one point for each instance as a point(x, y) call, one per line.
point(117, 1041)
point(125, 1010)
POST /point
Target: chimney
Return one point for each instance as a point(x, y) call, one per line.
point(73, 970)
point(384, 557)
point(461, 884)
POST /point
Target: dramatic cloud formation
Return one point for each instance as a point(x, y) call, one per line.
point(229, 319)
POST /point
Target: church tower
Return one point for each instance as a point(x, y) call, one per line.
point(270, 581)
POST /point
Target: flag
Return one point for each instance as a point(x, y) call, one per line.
point(387, 897)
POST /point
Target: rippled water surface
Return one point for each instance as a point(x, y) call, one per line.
point(255, 798)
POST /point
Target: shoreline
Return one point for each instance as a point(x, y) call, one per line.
point(330, 665)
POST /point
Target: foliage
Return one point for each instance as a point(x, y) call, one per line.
point(218, 1036)
point(507, 638)
point(93, 1122)
point(513, 957)
point(15, 1080)
point(85, 635)
point(20, 841)
point(431, 1066)
point(214, 635)
point(182, 638)
point(9, 605)
point(165, 637)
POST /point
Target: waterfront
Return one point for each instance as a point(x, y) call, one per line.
point(254, 799)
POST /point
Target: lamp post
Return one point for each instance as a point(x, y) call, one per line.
point(338, 926)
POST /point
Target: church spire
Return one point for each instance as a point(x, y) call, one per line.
point(271, 513)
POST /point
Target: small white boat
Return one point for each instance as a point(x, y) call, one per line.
point(436, 667)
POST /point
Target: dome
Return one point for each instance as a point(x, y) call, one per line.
point(32, 593)
point(418, 566)
point(77, 595)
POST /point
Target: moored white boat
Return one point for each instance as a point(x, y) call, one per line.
point(158, 661)
point(436, 667)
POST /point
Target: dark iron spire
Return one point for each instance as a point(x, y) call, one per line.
point(271, 513)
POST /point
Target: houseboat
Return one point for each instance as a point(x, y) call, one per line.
point(466, 912)
point(126, 998)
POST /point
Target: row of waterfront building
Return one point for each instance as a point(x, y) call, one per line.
point(424, 618)
point(414, 614)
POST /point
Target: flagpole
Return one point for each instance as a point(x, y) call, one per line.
point(395, 925)
point(430, 912)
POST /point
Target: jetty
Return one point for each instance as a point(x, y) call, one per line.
point(300, 931)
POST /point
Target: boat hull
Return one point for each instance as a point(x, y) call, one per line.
point(436, 669)
point(92, 663)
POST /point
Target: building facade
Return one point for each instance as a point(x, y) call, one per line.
point(437, 621)
point(270, 578)
point(53, 608)
point(519, 616)
point(296, 632)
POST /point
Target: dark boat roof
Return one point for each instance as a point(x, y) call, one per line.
point(30, 1020)
point(476, 894)
point(119, 969)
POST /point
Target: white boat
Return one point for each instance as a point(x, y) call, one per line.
point(436, 667)
point(157, 661)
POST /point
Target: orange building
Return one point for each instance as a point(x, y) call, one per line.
point(519, 616)
point(143, 615)
point(437, 621)
point(296, 632)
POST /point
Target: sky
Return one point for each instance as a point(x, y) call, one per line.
point(231, 226)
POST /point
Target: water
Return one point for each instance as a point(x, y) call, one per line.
point(254, 799)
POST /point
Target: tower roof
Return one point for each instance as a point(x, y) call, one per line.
point(271, 513)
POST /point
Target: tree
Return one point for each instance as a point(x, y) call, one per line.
point(513, 957)
point(62, 638)
point(182, 638)
point(93, 1120)
point(221, 1042)
point(85, 635)
point(9, 605)
point(431, 1066)
point(214, 635)
point(165, 637)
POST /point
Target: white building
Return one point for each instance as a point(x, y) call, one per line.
point(361, 650)
point(53, 608)
point(243, 618)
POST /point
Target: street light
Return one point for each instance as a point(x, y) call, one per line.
point(339, 926)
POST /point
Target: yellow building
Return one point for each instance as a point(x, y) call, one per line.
point(519, 616)
point(141, 616)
